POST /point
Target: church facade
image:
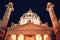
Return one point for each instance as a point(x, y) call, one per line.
point(30, 26)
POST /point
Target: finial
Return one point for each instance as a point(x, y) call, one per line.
point(10, 5)
point(30, 11)
point(49, 5)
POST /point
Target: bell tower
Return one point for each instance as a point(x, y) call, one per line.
point(50, 9)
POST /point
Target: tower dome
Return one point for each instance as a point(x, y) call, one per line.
point(30, 16)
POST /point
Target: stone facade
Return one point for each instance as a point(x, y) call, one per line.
point(30, 26)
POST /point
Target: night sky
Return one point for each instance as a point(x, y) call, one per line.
point(22, 6)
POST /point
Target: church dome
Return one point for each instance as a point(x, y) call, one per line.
point(29, 16)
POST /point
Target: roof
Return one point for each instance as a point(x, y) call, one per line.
point(29, 26)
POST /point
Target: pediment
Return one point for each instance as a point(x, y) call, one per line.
point(29, 26)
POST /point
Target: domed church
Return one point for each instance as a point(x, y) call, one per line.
point(30, 27)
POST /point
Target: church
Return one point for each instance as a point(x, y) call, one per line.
point(30, 27)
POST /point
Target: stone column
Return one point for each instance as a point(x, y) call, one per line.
point(7, 14)
point(8, 37)
point(16, 37)
point(50, 9)
point(35, 37)
point(42, 37)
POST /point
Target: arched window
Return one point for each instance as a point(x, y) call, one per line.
point(21, 37)
point(47, 37)
point(38, 37)
point(13, 37)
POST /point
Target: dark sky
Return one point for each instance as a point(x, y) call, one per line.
point(37, 6)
